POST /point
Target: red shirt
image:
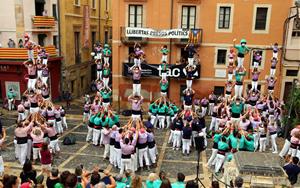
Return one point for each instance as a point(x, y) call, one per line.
point(45, 157)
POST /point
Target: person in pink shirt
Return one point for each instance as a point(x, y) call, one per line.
point(32, 74)
point(21, 111)
point(53, 136)
point(37, 136)
point(21, 137)
point(106, 138)
point(255, 76)
point(46, 158)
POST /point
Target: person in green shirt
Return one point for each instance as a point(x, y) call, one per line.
point(180, 181)
point(237, 107)
point(239, 77)
point(216, 139)
point(105, 95)
point(153, 108)
point(90, 127)
point(119, 182)
point(164, 50)
point(106, 74)
point(222, 150)
point(107, 53)
point(163, 69)
point(242, 51)
point(11, 95)
point(161, 114)
point(164, 84)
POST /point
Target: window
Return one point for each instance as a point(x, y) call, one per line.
point(39, 7)
point(55, 41)
point(253, 57)
point(221, 56)
point(77, 2)
point(106, 37)
point(41, 39)
point(261, 18)
point(135, 16)
point(82, 82)
point(77, 46)
point(54, 13)
point(296, 28)
point(291, 73)
point(219, 90)
point(72, 86)
point(224, 17)
point(93, 4)
point(188, 17)
point(93, 38)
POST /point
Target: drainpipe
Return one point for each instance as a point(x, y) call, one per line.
point(58, 20)
point(99, 27)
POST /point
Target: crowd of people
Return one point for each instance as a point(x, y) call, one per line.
point(240, 121)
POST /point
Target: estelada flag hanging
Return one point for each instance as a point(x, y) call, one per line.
point(194, 36)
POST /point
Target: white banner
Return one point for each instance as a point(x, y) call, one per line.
point(151, 33)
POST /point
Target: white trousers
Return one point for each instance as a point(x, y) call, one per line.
point(64, 122)
point(117, 157)
point(111, 154)
point(44, 80)
point(273, 142)
point(240, 61)
point(99, 74)
point(238, 90)
point(204, 110)
point(152, 154)
point(136, 89)
point(22, 152)
point(34, 109)
point(168, 118)
point(106, 81)
point(101, 136)
point(161, 120)
point(275, 54)
point(254, 85)
point(171, 137)
point(54, 146)
point(190, 61)
point(39, 73)
point(96, 136)
point(272, 72)
point(189, 83)
point(1, 166)
point(31, 84)
point(106, 60)
point(164, 58)
point(36, 153)
point(85, 116)
point(262, 144)
point(30, 54)
point(256, 140)
point(210, 108)
point(21, 116)
point(135, 117)
point(29, 149)
point(143, 155)
point(230, 76)
point(213, 124)
point(285, 148)
point(255, 64)
point(176, 139)
point(106, 151)
point(137, 62)
point(125, 165)
point(153, 120)
point(10, 104)
point(186, 145)
point(212, 157)
point(59, 127)
point(164, 75)
point(45, 61)
point(219, 162)
point(89, 135)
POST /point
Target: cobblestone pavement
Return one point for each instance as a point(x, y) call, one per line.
point(88, 155)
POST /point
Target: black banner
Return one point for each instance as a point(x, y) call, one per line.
point(152, 70)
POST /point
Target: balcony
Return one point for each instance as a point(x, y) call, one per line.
point(21, 53)
point(131, 40)
point(189, 1)
point(43, 21)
